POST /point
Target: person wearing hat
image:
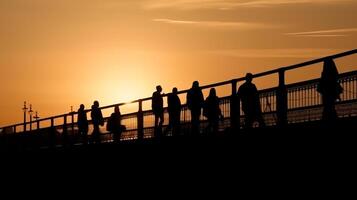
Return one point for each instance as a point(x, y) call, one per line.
point(248, 95)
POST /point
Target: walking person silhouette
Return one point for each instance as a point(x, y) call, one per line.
point(330, 90)
point(248, 95)
point(195, 103)
point(97, 120)
point(114, 125)
point(174, 109)
point(157, 106)
point(82, 122)
point(212, 111)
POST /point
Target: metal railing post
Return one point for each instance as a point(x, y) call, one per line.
point(282, 99)
point(140, 118)
point(65, 131)
point(72, 124)
point(234, 108)
point(52, 136)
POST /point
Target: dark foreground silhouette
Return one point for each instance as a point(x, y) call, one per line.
point(310, 136)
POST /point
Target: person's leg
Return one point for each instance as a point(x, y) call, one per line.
point(248, 121)
point(96, 133)
point(116, 136)
point(157, 132)
point(330, 110)
point(195, 122)
point(216, 125)
point(156, 120)
point(162, 120)
point(86, 130)
point(171, 121)
point(212, 126)
point(177, 123)
point(261, 120)
point(85, 136)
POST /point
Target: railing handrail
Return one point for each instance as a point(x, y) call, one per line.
point(286, 68)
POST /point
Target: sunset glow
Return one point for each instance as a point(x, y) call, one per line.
point(56, 54)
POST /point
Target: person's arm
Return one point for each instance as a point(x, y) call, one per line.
point(188, 99)
point(239, 93)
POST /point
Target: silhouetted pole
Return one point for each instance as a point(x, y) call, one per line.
point(140, 118)
point(72, 119)
point(65, 125)
point(234, 108)
point(30, 113)
point(52, 137)
point(25, 111)
point(65, 131)
point(36, 117)
point(282, 100)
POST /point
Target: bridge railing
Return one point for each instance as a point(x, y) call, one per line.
point(286, 103)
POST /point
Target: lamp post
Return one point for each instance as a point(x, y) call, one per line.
point(25, 111)
point(72, 118)
point(30, 113)
point(36, 117)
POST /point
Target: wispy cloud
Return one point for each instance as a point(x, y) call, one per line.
point(277, 53)
point(216, 24)
point(325, 33)
point(265, 3)
point(230, 4)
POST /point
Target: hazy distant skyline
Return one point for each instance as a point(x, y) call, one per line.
point(60, 53)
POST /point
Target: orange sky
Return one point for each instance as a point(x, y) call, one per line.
point(60, 53)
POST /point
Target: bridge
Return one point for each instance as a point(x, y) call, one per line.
point(295, 106)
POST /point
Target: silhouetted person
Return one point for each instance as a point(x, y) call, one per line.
point(212, 111)
point(82, 124)
point(158, 109)
point(195, 102)
point(114, 124)
point(330, 90)
point(249, 96)
point(174, 108)
point(97, 120)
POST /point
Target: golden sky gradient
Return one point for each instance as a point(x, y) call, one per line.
point(60, 53)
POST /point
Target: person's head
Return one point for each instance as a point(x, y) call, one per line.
point(159, 88)
point(212, 92)
point(174, 90)
point(81, 107)
point(329, 68)
point(96, 104)
point(116, 109)
point(249, 77)
point(195, 84)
